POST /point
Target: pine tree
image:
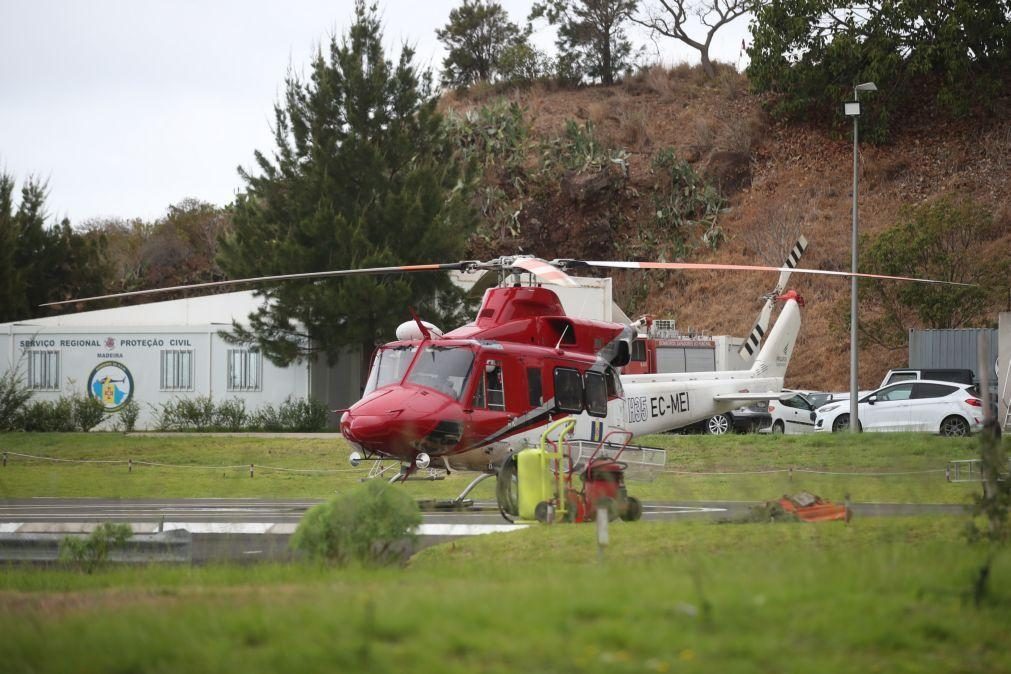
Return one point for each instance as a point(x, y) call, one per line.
point(591, 39)
point(363, 175)
point(12, 293)
point(477, 35)
point(40, 263)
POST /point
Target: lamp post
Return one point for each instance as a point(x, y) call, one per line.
point(852, 109)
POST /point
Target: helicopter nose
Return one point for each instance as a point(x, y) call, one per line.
point(367, 429)
point(402, 422)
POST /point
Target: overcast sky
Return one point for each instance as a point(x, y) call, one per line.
point(129, 106)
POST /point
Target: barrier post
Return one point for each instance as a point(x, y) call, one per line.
point(603, 539)
point(5, 459)
point(129, 465)
point(250, 470)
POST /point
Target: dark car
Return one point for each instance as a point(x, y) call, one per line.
point(742, 420)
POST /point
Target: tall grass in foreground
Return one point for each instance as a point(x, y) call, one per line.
point(883, 595)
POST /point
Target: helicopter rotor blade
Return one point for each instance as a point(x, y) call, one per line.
point(705, 266)
point(271, 279)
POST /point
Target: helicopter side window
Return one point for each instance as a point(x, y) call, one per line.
point(389, 366)
point(490, 390)
point(639, 351)
point(443, 368)
point(613, 383)
point(596, 394)
point(568, 390)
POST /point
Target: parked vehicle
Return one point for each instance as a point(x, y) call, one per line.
point(742, 420)
point(960, 376)
point(792, 415)
point(941, 407)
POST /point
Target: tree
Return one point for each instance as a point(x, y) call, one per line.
point(812, 52)
point(590, 35)
point(40, 263)
point(12, 295)
point(670, 18)
point(363, 175)
point(477, 35)
point(949, 240)
point(178, 249)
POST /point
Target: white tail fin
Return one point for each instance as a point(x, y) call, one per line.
point(774, 357)
point(754, 340)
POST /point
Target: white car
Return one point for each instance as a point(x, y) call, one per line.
point(928, 406)
point(791, 414)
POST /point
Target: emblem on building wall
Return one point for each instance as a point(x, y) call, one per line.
point(112, 384)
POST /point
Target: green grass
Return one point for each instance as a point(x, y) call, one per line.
point(878, 595)
point(866, 453)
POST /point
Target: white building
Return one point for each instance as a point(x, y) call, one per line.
point(155, 352)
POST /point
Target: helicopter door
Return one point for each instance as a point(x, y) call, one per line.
point(487, 409)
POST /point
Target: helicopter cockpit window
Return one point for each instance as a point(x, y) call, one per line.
point(490, 391)
point(568, 390)
point(596, 394)
point(389, 366)
point(443, 368)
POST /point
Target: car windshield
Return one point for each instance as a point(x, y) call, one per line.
point(819, 399)
point(443, 368)
point(389, 366)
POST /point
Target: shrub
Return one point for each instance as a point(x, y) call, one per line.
point(128, 415)
point(266, 418)
point(187, 414)
point(88, 412)
point(372, 524)
point(91, 552)
point(49, 416)
point(231, 415)
point(301, 415)
point(14, 395)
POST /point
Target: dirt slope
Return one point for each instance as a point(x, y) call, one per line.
point(800, 178)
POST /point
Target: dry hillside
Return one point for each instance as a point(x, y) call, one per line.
point(800, 178)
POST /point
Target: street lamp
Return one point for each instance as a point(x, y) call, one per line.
point(852, 109)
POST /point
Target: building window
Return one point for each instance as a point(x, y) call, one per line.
point(176, 370)
point(244, 368)
point(44, 370)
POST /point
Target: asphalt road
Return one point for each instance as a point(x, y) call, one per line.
point(249, 530)
point(251, 511)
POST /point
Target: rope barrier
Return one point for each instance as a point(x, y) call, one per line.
point(156, 464)
point(804, 470)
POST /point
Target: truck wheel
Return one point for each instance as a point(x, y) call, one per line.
point(719, 425)
point(633, 510)
point(541, 512)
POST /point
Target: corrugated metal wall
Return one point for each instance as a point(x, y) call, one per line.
point(952, 349)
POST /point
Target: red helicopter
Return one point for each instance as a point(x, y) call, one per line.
point(473, 396)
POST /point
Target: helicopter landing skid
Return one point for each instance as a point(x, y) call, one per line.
point(461, 502)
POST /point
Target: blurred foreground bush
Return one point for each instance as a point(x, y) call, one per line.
point(372, 524)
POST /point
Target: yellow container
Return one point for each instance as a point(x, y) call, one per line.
point(535, 480)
